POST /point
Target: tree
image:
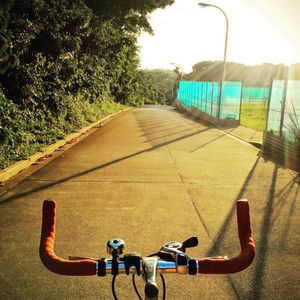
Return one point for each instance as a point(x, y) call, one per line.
point(149, 88)
point(131, 14)
point(75, 58)
point(7, 59)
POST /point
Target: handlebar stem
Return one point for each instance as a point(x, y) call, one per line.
point(150, 269)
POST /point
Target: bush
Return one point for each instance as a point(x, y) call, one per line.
point(25, 132)
point(65, 64)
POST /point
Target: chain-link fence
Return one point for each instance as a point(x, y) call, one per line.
point(282, 136)
point(284, 110)
point(222, 101)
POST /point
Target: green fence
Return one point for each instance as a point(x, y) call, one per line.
point(223, 101)
point(230, 104)
point(284, 109)
point(207, 95)
point(251, 94)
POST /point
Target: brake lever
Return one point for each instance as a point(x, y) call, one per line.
point(181, 259)
point(189, 243)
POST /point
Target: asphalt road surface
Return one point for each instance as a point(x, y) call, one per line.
point(150, 176)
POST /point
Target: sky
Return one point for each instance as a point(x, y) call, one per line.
point(260, 31)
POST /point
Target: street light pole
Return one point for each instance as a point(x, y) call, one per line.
point(172, 87)
point(226, 36)
point(180, 68)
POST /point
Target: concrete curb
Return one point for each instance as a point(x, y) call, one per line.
point(180, 106)
point(255, 144)
point(19, 166)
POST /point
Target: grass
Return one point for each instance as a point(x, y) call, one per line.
point(253, 115)
point(20, 142)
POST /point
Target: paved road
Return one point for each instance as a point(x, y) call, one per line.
point(150, 176)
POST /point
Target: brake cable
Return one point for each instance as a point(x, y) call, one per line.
point(113, 287)
point(164, 286)
point(135, 288)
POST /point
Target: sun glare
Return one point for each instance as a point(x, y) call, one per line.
point(187, 34)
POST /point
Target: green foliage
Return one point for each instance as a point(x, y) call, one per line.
point(78, 61)
point(131, 14)
point(158, 86)
point(292, 126)
point(7, 59)
point(148, 89)
point(24, 132)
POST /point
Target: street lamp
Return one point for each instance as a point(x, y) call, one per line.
point(179, 67)
point(226, 37)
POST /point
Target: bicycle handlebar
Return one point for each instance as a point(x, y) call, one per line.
point(85, 267)
point(50, 260)
point(245, 258)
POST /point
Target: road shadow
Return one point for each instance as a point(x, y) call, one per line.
point(168, 135)
point(263, 244)
point(217, 242)
point(71, 177)
point(274, 210)
point(210, 142)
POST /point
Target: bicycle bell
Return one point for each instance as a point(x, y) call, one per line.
point(115, 244)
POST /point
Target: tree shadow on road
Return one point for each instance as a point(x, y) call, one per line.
point(68, 178)
point(263, 244)
point(217, 242)
point(274, 215)
point(275, 229)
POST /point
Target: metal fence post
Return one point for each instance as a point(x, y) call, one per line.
point(219, 100)
point(201, 95)
point(268, 105)
point(211, 97)
point(283, 107)
point(198, 94)
point(241, 102)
